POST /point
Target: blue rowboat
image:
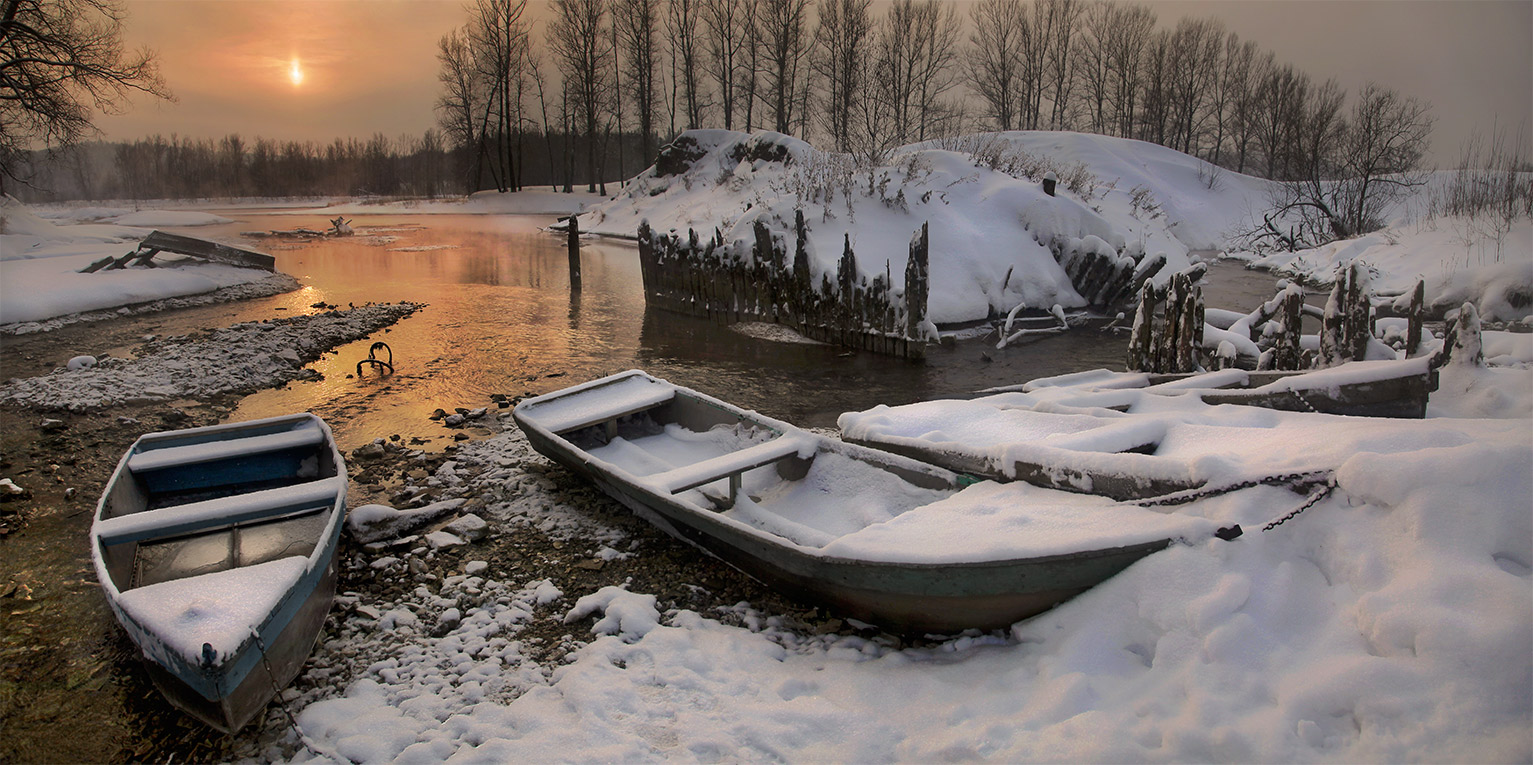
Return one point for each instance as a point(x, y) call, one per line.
point(216, 548)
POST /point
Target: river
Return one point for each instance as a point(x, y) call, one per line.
point(501, 320)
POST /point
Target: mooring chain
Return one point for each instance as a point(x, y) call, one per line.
point(1314, 498)
point(271, 677)
point(1292, 479)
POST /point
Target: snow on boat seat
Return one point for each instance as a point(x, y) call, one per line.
point(213, 451)
point(599, 404)
point(221, 512)
point(218, 609)
point(731, 464)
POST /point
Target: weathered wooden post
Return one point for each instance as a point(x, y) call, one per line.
point(1140, 340)
point(574, 253)
point(1348, 322)
point(1414, 318)
point(916, 286)
point(1050, 180)
point(1286, 349)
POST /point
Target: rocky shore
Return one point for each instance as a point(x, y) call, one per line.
point(486, 584)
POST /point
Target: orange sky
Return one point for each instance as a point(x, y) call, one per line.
point(370, 65)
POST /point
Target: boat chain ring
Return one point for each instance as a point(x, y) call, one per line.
point(373, 359)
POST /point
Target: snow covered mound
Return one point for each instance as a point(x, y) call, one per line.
point(992, 225)
point(1457, 258)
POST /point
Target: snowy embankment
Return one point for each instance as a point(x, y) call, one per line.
point(1389, 622)
point(991, 224)
point(1460, 260)
point(40, 264)
point(241, 358)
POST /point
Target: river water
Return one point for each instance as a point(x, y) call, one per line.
point(501, 319)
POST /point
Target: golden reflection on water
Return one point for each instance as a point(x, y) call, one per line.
point(499, 317)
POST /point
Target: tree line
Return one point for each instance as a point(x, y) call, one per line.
point(180, 167)
point(846, 76)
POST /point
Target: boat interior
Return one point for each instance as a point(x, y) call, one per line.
point(708, 455)
point(215, 499)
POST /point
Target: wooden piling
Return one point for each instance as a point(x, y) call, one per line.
point(574, 253)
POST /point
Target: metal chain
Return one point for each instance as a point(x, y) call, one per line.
point(1314, 498)
point(1291, 479)
point(271, 677)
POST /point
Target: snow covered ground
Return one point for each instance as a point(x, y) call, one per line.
point(1392, 621)
point(1460, 259)
point(40, 263)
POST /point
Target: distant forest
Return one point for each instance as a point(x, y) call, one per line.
point(176, 167)
point(589, 96)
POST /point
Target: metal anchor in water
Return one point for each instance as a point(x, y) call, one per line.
point(373, 359)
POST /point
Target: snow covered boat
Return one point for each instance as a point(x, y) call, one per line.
point(216, 549)
point(1115, 433)
point(872, 535)
point(1389, 388)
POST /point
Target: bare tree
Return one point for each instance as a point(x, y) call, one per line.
point(681, 26)
point(577, 36)
point(936, 70)
point(1132, 30)
point(1192, 58)
point(1231, 84)
point(500, 37)
point(1056, 22)
point(636, 23)
point(1386, 138)
point(782, 27)
point(724, 31)
point(994, 58)
point(1093, 64)
point(461, 100)
point(61, 60)
point(914, 66)
point(842, 40)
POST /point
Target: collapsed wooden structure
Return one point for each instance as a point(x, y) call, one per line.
point(159, 241)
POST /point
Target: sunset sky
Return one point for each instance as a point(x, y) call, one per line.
point(321, 69)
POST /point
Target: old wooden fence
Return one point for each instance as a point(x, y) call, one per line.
point(730, 282)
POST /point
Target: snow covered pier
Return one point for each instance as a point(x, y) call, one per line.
point(712, 280)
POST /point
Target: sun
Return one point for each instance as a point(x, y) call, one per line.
point(295, 72)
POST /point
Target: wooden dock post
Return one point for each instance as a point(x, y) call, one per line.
point(574, 253)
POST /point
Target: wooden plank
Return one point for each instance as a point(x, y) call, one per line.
point(206, 250)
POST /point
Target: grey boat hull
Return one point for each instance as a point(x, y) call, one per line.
point(901, 597)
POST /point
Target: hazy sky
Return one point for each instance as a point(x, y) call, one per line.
point(366, 66)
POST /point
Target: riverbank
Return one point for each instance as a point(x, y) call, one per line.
point(64, 662)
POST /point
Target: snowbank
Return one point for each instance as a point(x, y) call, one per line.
point(1458, 258)
point(992, 226)
point(40, 264)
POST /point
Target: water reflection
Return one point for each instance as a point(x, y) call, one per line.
point(501, 319)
